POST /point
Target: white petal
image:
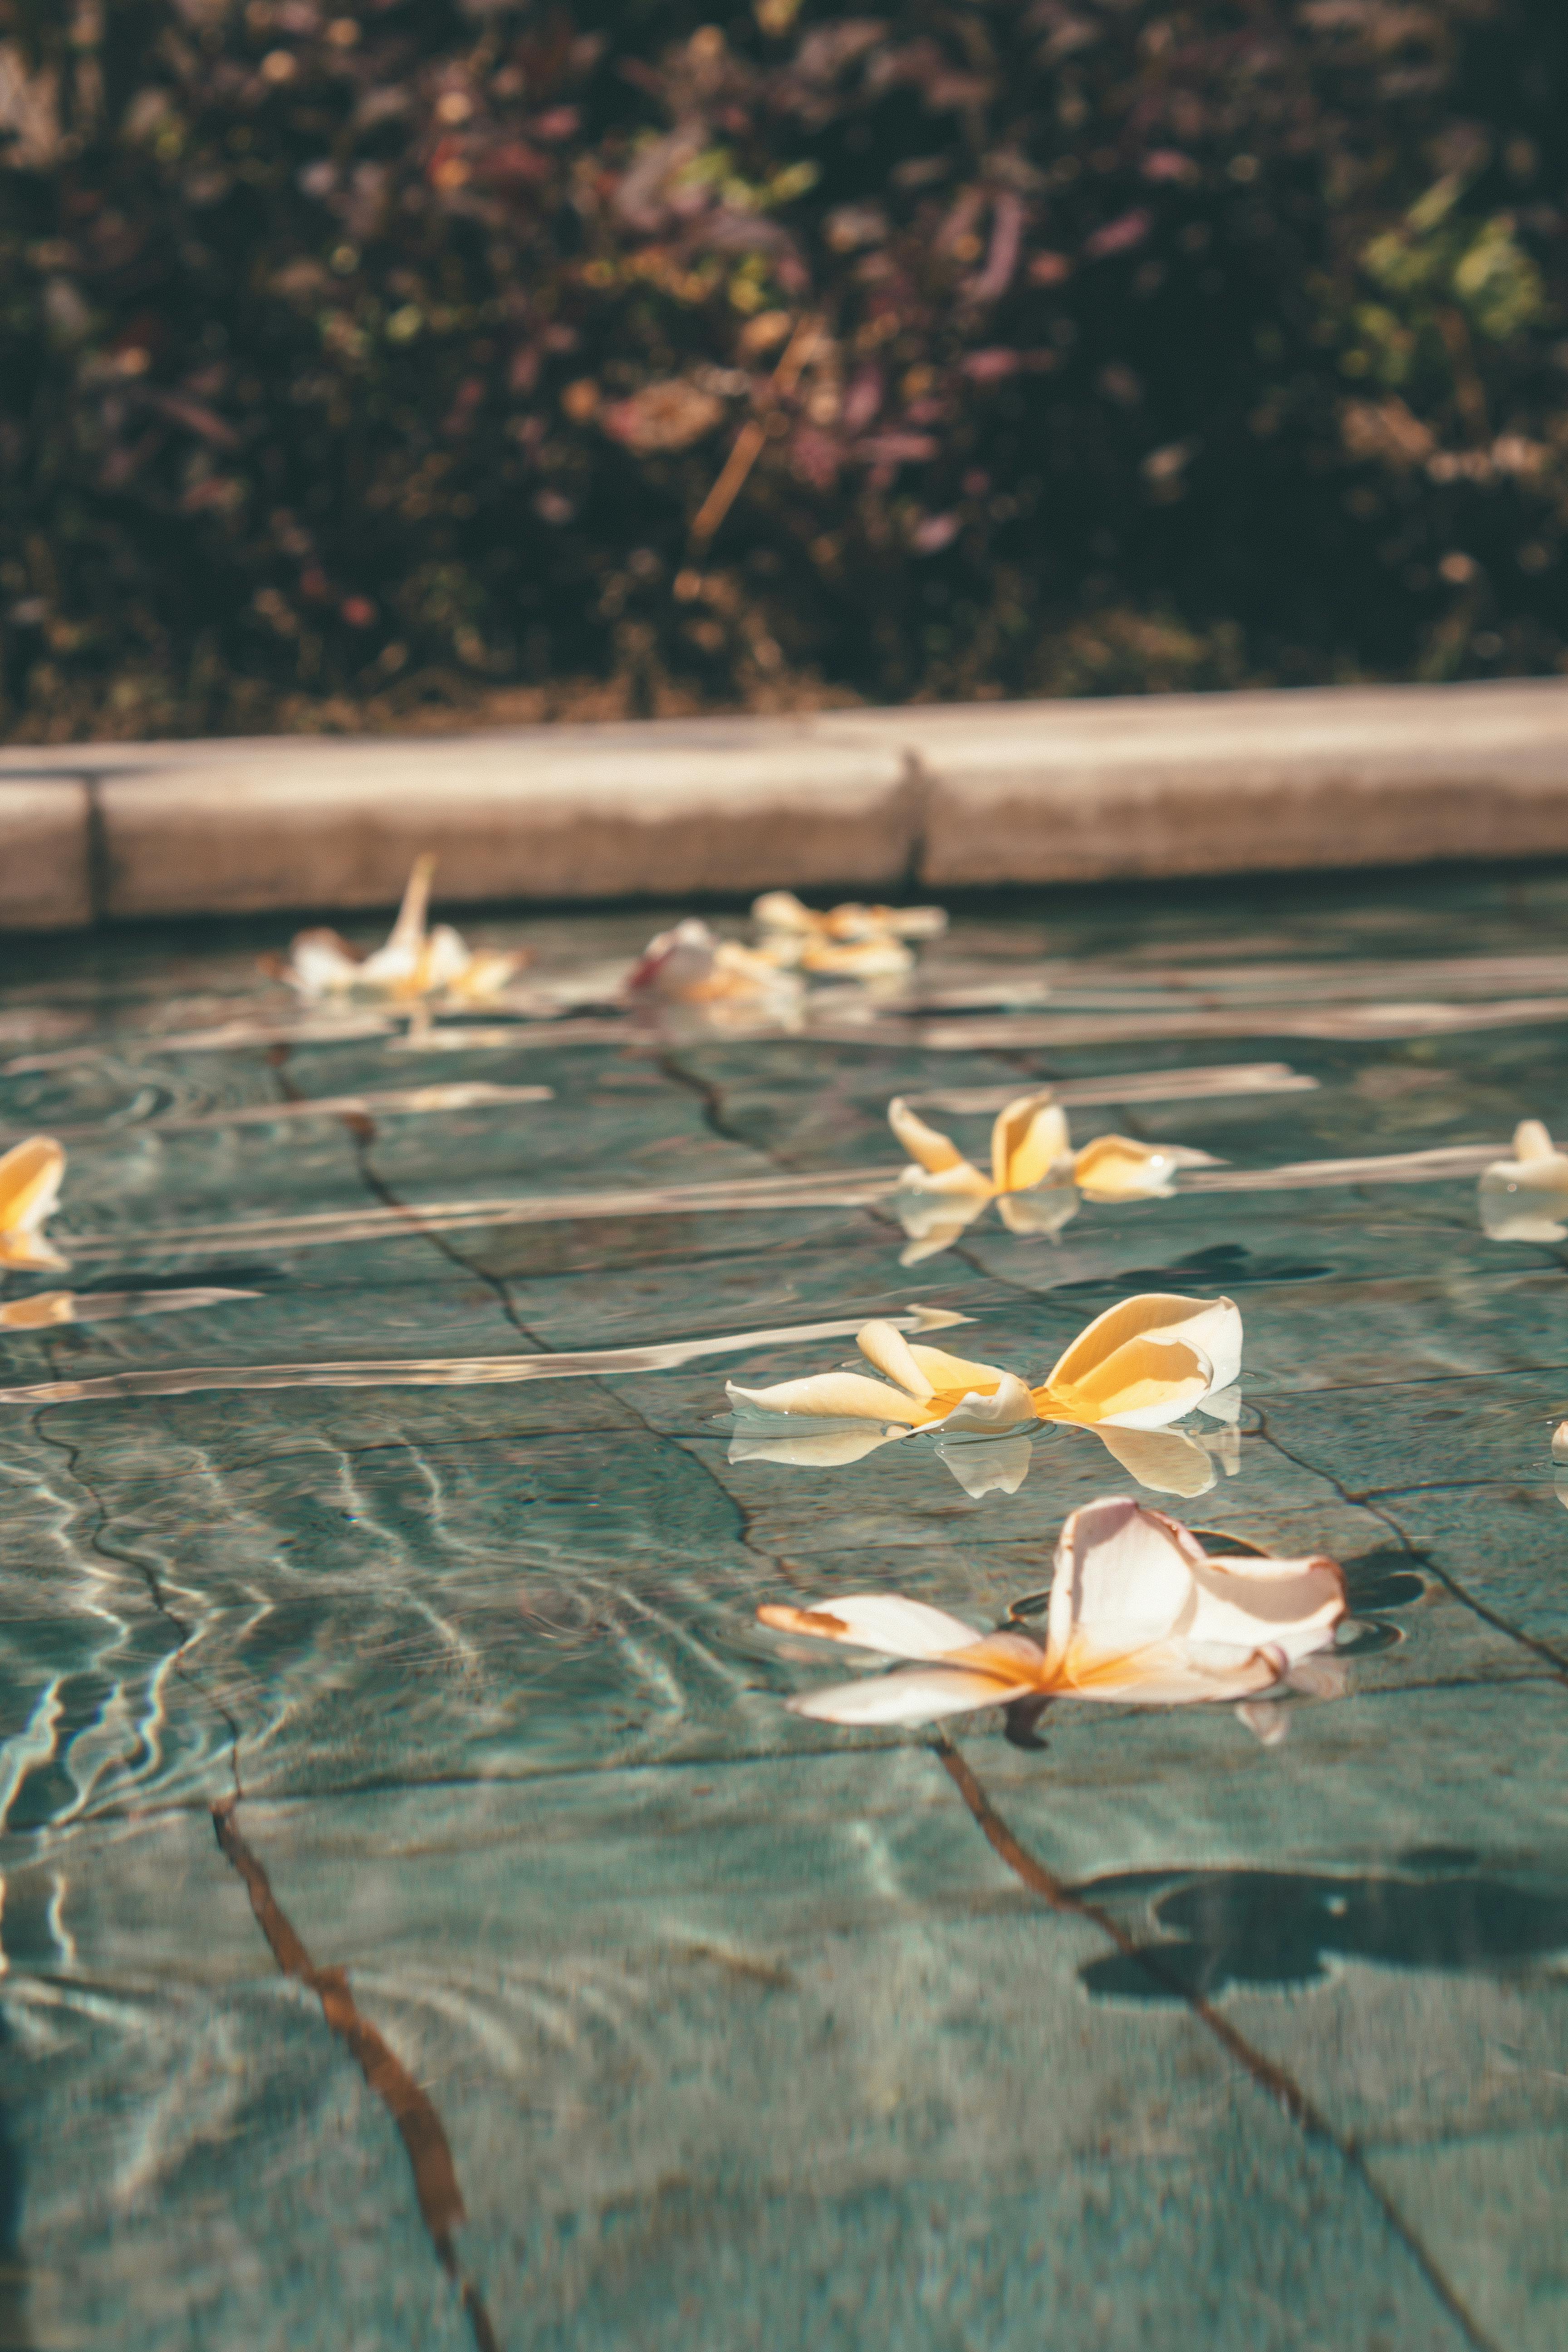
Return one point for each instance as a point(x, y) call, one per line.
point(1293, 1604)
point(909, 1695)
point(1115, 1168)
point(1531, 1142)
point(1560, 1441)
point(1088, 1372)
point(320, 962)
point(1123, 1579)
point(1010, 1405)
point(885, 1622)
point(888, 1349)
point(832, 1396)
point(986, 1465)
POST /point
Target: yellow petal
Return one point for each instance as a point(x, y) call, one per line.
point(1145, 1384)
point(932, 1151)
point(1030, 1139)
point(30, 1176)
point(1168, 1673)
point(1531, 1142)
point(955, 1375)
point(1212, 1326)
point(1115, 1168)
point(888, 1349)
point(835, 1396)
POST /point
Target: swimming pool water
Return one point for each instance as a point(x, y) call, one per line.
point(423, 1923)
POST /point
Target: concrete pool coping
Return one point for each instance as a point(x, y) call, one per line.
point(923, 799)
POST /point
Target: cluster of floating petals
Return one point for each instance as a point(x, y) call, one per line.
point(415, 963)
point(845, 942)
point(1525, 1199)
point(1131, 1373)
point(30, 1178)
point(1139, 1614)
point(1036, 1179)
point(691, 965)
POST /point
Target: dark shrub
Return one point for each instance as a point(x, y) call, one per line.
point(367, 353)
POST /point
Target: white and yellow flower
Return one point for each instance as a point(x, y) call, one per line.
point(1129, 1374)
point(415, 963)
point(1037, 1178)
point(30, 1178)
point(848, 942)
point(690, 965)
point(1525, 1199)
point(1139, 1614)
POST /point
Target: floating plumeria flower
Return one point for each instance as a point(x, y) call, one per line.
point(1129, 1374)
point(1139, 1614)
point(416, 963)
point(850, 941)
point(30, 1176)
point(1525, 1199)
point(690, 965)
point(1036, 1179)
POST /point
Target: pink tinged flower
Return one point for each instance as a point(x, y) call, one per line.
point(1525, 1199)
point(690, 965)
point(30, 1178)
point(1139, 1614)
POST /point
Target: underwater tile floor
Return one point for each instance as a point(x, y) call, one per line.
point(424, 1925)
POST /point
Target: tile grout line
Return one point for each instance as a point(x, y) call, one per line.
point(1308, 2119)
point(1553, 1659)
point(419, 2125)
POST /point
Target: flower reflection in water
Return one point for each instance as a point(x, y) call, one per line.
point(1525, 1199)
point(1037, 1180)
point(1131, 1373)
point(1139, 1614)
point(30, 1179)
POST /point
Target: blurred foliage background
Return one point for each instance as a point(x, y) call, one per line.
point(380, 361)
